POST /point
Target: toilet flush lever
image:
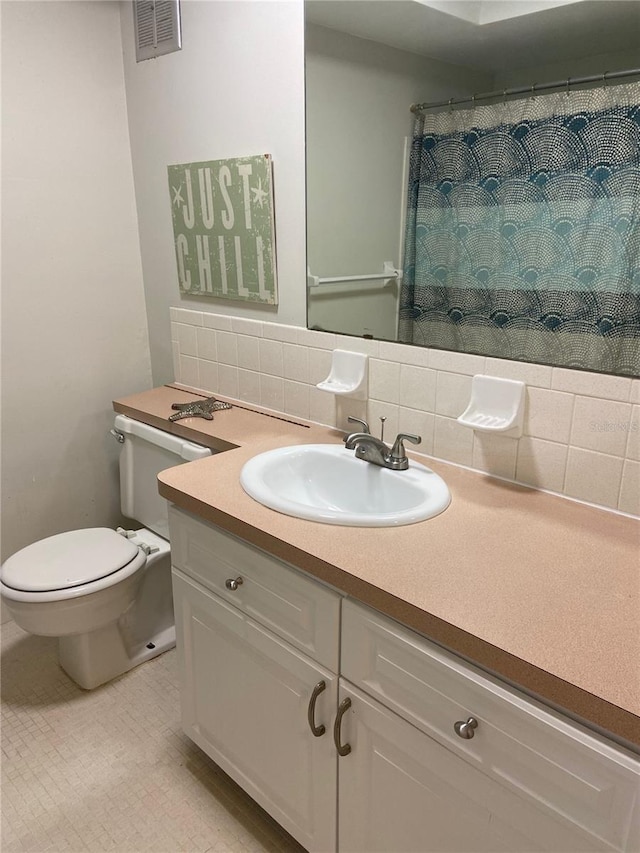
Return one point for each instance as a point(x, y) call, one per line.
point(119, 436)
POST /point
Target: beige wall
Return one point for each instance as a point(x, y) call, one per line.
point(236, 88)
point(74, 330)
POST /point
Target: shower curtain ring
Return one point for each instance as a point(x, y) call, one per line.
point(604, 79)
point(450, 105)
point(504, 97)
point(473, 102)
point(568, 84)
point(533, 92)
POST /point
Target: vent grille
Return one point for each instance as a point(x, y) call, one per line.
point(157, 27)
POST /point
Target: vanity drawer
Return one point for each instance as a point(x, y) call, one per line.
point(564, 769)
point(297, 608)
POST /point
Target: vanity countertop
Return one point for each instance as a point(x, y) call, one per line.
point(541, 590)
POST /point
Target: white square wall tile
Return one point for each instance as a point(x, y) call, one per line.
point(319, 365)
point(416, 422)
point(208, 376)
point(591, 384)
point(175, 352)
point(296, 362)
point(538, 375)
point(495, 454)
point(630, 488)
point(405, 354)
point(634, 393)
point(363, 345)
point(456, 362)
point(453, 441)
point(228, 380)
point(384, 380)
point(241, 326)
point(217, 321)
point(249, 386)
point(296, 399)
point(548, 414)
point(541, 463)
point(322, 407)
point(601, 425)
point(280, 332)
point(187, 340)
point(227, 343)
point(185, 315)
point(418, 387)
point(189, 374)
point(271, 357)
point(272, 393)
point(453, 392)
point(206, 342)
point(318, 340)
point(593, 477)
point(248, 352)
point(377, 409)
point(633, 440)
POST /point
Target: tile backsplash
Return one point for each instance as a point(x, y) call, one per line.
point(581, 430)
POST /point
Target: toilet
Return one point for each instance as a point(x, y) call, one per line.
point(106, 594)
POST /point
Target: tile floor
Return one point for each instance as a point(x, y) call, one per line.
point(110, 769)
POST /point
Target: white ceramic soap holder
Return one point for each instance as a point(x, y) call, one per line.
point(497, 405)
point(348, 375)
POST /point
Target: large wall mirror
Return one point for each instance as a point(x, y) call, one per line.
point(556, 222)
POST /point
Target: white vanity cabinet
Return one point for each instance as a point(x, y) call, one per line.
point(526, 779)
point(250, 698)
point(268, 654)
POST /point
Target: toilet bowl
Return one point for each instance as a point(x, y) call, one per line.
point(107, 600)
point(106, 594)
point(73, 582)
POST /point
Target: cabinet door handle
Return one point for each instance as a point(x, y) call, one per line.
point(233, 583)
point(466, 730)
point(316, 731)
point(342, 709)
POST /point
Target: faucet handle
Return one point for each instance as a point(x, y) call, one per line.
point(363, 424)
point(397, 451)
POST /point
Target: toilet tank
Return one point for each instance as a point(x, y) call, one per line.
point(145, 452)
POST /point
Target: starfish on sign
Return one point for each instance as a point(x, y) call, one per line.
point(259, 195)
point(177, 195)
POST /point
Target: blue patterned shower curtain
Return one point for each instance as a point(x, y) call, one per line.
point(523, 230)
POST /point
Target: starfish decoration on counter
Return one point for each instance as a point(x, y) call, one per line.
point(198, 409)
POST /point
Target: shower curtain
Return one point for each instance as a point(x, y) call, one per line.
point(523, 230)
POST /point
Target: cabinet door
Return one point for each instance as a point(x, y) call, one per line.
point(402, 792)
point(245, 697)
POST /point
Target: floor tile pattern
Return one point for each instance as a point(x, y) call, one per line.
point(110, 769)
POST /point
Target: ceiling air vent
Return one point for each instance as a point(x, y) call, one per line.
point(157, 27)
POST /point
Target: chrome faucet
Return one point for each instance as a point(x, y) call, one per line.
point(374, 450)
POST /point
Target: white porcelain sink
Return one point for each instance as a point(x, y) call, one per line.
point(326, 483)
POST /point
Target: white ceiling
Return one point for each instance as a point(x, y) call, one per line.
point(493, 35)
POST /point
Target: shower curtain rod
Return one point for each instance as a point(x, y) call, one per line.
point(531, 90)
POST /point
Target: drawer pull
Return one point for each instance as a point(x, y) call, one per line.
point(466, 730)
point(233, 583)
point(343, 707)
point(317, 731)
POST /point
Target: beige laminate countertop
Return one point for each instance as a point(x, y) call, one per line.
point(540, 590)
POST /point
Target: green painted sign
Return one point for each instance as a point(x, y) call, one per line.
point(223, 228)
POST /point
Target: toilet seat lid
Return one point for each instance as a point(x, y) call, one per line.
point(68, 559)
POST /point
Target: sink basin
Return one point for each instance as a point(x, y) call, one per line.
point(326, 483)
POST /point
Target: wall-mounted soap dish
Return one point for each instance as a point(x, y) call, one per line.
point(497, 405)
point(348, 376)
